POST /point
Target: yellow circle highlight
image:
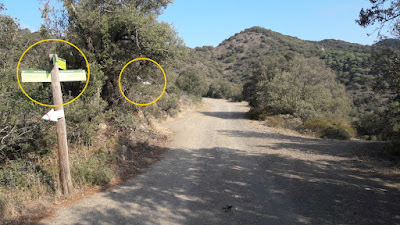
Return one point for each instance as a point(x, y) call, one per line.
point(87, 80)
point(120, 75)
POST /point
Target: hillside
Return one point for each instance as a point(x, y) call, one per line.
point(235, 58)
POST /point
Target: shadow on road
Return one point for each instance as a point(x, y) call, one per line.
point(192, 187)
point(337, 148)
point(226, 115)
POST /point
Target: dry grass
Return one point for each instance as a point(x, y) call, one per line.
point(114, 158)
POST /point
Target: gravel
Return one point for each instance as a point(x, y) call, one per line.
point(218, 158)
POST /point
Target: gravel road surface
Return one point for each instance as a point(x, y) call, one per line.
point(218, 157)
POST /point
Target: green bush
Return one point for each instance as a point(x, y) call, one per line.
point(83, 124)
point(238, 97)
point(224, 89)
point(23, 175)
point(301, 87)
point(275, 121)
point(340, 133)
point(92, 170)
point(192, 82)
point(257, 114)
point(169, 103)
point(230, 59)
point(317, 125)
point(333, 129)
point(284, 121)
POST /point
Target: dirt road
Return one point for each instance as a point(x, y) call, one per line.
point(217, 157)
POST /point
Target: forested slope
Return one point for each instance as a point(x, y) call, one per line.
point(239, 58)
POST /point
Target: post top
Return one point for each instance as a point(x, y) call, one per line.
point(51, 56)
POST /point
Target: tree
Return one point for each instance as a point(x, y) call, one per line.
point(385, 64)
point(111, 33)
point(220, 88)
point(383, 12)
point(19, 122)
point(192, 81)
point(301, 87)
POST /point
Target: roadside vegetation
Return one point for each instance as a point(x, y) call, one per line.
point(303, 89)
point(330, 89)
point(109, 138)
point(361, 100)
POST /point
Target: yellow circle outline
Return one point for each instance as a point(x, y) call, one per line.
point(87, 80)
point(120, 75)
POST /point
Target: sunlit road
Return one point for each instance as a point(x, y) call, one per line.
point(217, 157)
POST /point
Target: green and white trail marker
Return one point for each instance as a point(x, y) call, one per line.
point(55, 76)
point(45, 75)
point(62, 64)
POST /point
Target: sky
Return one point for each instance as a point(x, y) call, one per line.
point(209, 22)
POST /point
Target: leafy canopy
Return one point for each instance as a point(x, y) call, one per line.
point(302, 87)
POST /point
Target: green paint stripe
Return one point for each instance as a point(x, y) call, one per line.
point(35, 71)
point(72, 71)
point(48, 71)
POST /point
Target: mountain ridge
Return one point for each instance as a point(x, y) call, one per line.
point(234, 56)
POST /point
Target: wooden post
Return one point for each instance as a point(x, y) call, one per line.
point(63, 158)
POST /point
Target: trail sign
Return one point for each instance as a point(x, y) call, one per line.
point(35, 76)
point(57, 114)
point(62, 64)
point(45, 75)
point(72, 75)
point(53, 115)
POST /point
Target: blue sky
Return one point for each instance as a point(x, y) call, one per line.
point(209, 22)
point(27, 11)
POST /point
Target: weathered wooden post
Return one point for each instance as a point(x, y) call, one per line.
point(63, 158)
point(55, 77)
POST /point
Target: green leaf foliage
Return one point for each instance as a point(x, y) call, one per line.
point(192, 81)
point(302, 87)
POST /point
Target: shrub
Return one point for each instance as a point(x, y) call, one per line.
point(333, 129)
point(238, 97)
point(302, 87)
point(285, 121)
point(337, 133)
point(92, 170)
point(220, 89)
point(224, 89)
point(230, 59)
point(83, 124)
point(169, 103)
point(22, 175)
point(192, 82)
point(275, 121)
point(317, 125)
point(257, 114)
point(20, 180)
point(236, 93)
